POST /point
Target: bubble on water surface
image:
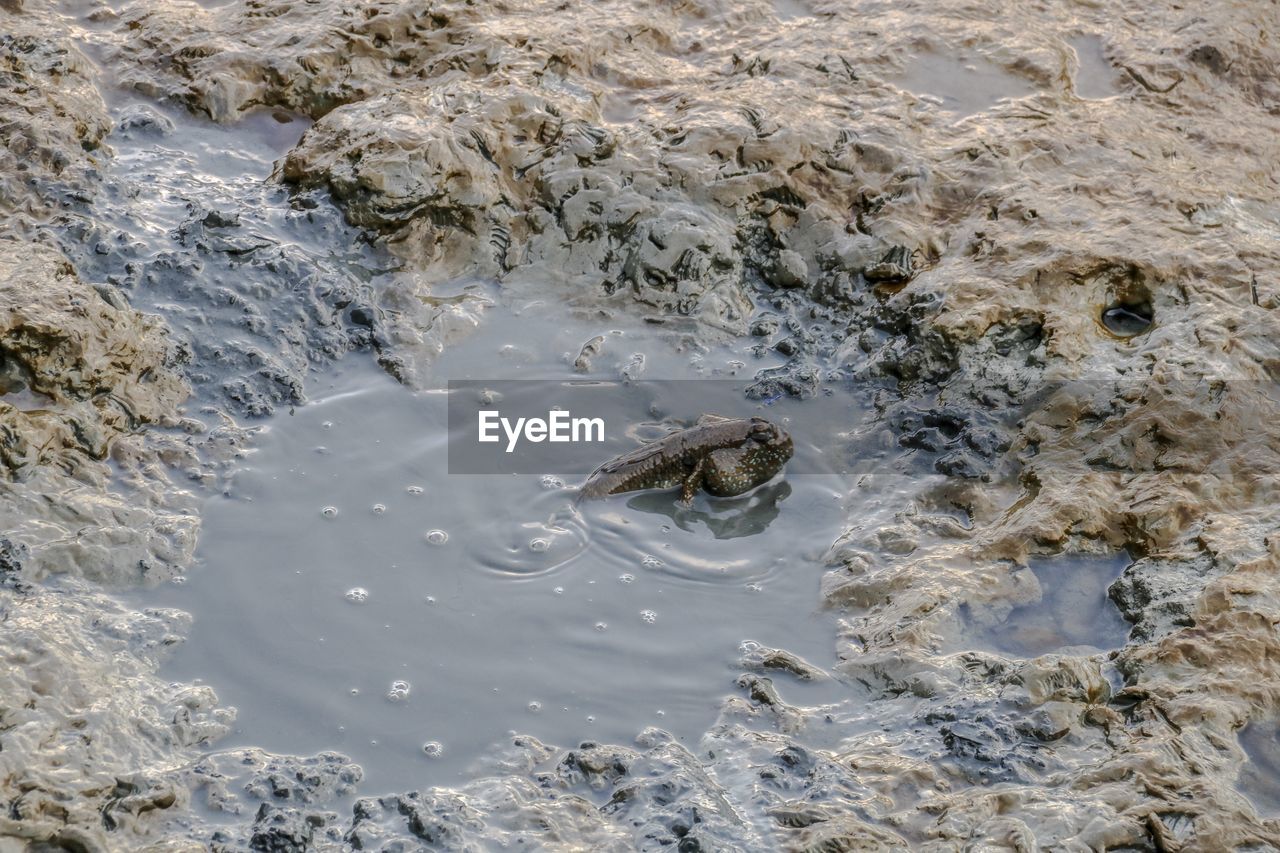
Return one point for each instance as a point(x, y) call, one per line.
point(399, 691)
point(357, 595)
point(539, 545)
point(651, 562)
point(329, 512)
point(433, 749)
point(627, 577)
point(437, 537)
point(379, 509)
point(534, 707)
point(558, 590)
point(754, 587)
point(649, 616)
point(415, 490)
point(550, 482)
point(602, 626)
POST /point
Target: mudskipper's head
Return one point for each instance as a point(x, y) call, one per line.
point(767, 449)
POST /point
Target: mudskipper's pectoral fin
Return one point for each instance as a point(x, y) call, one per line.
point(721, 475)
point(691, 483)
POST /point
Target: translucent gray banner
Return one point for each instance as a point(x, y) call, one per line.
point(568, 427)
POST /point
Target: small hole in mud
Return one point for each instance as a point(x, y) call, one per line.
point(1127, 319)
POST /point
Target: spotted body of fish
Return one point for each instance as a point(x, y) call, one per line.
point(724, 456)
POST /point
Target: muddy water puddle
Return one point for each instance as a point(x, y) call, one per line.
point(1260, 775)
point(1072, 615)
point(1096, 78)
point(353, 595)
point(964, 84)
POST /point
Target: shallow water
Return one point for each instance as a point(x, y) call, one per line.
point(346, 563)
point(1260, 776)
point(1073, 616)
point(962, 84)
point(1096, 77)
point(352, 595)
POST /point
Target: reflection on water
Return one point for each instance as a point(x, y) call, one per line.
point(354, 596)
point(1073, 616)
point(726, 518)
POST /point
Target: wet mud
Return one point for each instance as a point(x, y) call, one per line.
point(1032, 605)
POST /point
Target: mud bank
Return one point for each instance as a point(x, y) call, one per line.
point(1048, 236)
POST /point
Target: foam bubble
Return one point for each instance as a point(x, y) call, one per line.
point(437, 537)
point(399, 691)
point(357, 595)
point(329, 512)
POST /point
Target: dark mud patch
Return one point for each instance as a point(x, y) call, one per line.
point(256, 285)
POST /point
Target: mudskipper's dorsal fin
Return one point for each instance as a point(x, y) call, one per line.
point(708, 418)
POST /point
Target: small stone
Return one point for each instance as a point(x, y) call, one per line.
point(763, 327)
point(790, 270)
